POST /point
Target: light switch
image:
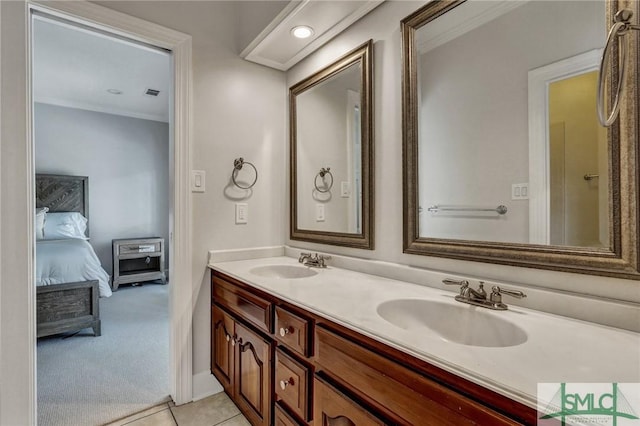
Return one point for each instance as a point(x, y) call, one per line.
point(345, 190)
point(242, 213)
point(319, 212)
point(520, 191)
point(198, 181)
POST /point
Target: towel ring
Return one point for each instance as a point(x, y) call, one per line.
point(238, 163)
point(322, 173)
point(620, 28)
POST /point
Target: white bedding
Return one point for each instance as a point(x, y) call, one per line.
point(70, 260)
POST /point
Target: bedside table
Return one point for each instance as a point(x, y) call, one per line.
point(137, 260)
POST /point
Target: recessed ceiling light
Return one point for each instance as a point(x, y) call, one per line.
point(302, 31)
point(115, 91)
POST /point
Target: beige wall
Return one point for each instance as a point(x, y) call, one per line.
point(383, 26)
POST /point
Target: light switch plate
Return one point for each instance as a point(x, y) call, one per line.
point(319, 212)
point(345, 190)
point(198, 180)
point(242, 213)
point(520, 191)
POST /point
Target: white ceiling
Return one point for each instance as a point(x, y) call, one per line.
point(74, 67)
point(275, 47)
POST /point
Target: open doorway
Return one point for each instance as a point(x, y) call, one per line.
point(102, 136)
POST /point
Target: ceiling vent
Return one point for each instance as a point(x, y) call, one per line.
point(151, 92)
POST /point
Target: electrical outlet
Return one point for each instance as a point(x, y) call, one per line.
point(242, 213)
point(520, 191)
point(319, 212)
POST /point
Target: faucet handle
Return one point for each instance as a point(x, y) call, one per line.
point(322, 258)
point(497, 292)
point(462, 283)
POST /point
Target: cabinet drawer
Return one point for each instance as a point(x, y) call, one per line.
point(409, 397)
point(147, 248)
point(292, 384)
point(293, 331)
point(283, 418)
point(332, 407)
point(246, 305)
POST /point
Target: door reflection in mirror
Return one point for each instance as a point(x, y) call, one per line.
point(578, 148)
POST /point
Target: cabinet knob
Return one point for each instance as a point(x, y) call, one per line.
point(234, 341)
point(284, 384)
point(285, 330)
point(228, 337)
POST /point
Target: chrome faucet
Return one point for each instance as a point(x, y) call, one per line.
point(314, 261)
point(479, 297)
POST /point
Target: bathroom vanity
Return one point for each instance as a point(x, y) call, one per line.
point(294, 346)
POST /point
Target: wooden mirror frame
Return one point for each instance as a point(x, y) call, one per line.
point(365, 240)
point(620, 260)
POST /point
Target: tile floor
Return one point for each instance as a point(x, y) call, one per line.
point(216, 410)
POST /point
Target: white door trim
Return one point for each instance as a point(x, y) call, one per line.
point(539, 80)
point(181, 287)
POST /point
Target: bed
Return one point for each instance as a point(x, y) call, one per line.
point(69, 277)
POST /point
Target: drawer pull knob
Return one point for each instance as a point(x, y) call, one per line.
point(285, 330)
point(284, 384)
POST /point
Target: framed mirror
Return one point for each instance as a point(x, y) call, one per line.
point(504, 159)
point(331, 134)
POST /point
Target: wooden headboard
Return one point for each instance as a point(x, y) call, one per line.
point(61, 193)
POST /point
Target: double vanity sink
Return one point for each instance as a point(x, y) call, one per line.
point(508, 352)
point(462, 324)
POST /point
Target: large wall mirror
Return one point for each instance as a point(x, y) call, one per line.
point(332, 153)
point(504, 158)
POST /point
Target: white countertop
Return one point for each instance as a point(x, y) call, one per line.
point(557, 349)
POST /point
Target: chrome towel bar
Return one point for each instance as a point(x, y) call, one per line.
point(501, 209)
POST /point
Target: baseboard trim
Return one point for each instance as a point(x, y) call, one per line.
point(204, 385)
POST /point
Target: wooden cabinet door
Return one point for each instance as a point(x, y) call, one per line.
point(222, 340)
point(333, 408)
point(253, 387)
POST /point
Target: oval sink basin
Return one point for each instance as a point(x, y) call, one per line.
point(464, 324)
point(283, 271)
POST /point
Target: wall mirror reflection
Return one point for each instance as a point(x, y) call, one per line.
point(331, 153)
point(500, 116)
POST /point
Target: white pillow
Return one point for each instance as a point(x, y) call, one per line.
point(41, 215)
point(60, 226)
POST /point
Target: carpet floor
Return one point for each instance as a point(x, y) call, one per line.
point(85, 380)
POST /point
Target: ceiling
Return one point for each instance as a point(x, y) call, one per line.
point(74, 67)
point(275, 47)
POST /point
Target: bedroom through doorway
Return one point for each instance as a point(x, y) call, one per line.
point(102, 140)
